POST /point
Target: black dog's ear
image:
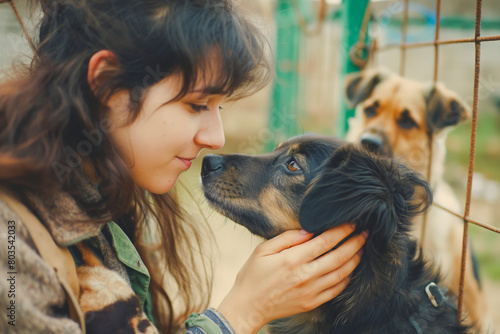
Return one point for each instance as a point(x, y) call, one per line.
point(359, 86)
point(370, 191)
point(444, 108)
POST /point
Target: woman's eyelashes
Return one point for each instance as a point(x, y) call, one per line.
point(201, 107)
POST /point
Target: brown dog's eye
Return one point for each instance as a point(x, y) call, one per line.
point(405, 121)
point(293, 166)
point(371, 111)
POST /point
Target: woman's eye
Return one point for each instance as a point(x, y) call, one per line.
point(293, 166)
point(199, 107)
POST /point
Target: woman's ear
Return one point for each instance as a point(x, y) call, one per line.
point(100, 63)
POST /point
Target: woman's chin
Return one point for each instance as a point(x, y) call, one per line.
point(161, 187)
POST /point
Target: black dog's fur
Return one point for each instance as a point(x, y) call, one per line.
point(324, 182)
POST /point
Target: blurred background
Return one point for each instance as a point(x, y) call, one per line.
point(312, 54)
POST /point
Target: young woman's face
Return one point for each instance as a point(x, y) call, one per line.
point(166, 136)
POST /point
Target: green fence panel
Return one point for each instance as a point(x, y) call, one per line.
point(284, 109)
point(353, 12)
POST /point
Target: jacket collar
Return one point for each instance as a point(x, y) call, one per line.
point(64, 215)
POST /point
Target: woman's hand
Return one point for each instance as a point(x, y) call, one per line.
point(291, 274)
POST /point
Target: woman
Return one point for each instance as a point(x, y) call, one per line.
point(121, 96)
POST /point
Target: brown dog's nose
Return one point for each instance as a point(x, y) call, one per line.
point(372, 142)
point(212, 165)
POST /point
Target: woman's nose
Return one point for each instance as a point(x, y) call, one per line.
point(211, 133)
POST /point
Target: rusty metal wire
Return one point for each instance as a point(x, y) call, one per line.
point(436, 39)
point(442, 42)
point(470, 220)
point(357, 51)
point(430, 137)
point(472, 154)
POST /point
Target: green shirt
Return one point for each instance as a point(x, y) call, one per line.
point(136, 269)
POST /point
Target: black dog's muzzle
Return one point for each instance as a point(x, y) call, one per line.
point(212, 165)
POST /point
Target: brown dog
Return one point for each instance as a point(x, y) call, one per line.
point(398, 117)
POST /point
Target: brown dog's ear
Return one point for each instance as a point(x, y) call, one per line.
point(444, 108)
point(360, 85)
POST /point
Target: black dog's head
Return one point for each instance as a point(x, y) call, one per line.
point(264, 192)
point(314, 182)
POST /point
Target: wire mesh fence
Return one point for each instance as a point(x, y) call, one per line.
point(436, 43)
point(322, 89)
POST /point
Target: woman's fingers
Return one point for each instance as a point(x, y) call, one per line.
point(310, 280)
point(323, 243)
point(330, 285)
point(283, 241)
point(339, 257)
point(291, 274)
point(336, 276)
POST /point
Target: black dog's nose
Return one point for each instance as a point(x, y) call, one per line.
point(212, 164)
point(372, 142)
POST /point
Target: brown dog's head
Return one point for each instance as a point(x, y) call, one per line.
point(315, 183)
point(395, 116)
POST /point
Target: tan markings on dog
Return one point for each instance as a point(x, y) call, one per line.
point(394, 96)
point(293, 149)
point(94, 288)
point(134, 322)
point(95, 280)
point(311, 184)
point(88, 257)
point(245, 203)
point(279, 145)
point(277, 209)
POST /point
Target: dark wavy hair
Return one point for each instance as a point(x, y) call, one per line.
point(49, 110)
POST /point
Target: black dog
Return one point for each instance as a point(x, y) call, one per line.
point(322, 182)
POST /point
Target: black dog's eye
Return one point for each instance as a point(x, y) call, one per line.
point(293, 166)
point(405, 121)
point(371, 111)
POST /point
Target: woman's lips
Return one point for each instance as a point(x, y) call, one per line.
point(186, 162)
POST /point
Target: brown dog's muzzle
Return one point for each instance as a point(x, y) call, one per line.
point(376, 142)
